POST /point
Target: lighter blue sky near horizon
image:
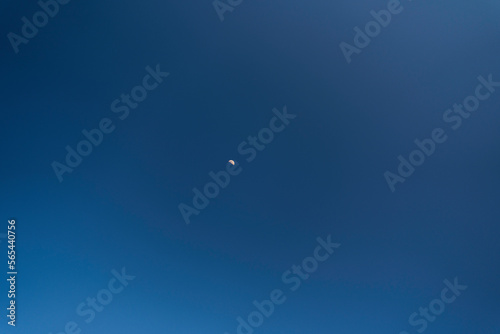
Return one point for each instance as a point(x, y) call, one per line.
point(323, 175)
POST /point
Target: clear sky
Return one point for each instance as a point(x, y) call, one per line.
point(322, 175)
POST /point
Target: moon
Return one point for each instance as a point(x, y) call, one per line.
point(231, 162)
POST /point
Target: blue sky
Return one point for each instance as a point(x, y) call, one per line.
point(322, 175)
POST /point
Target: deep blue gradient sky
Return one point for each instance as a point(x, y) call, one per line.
point(323, 175)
